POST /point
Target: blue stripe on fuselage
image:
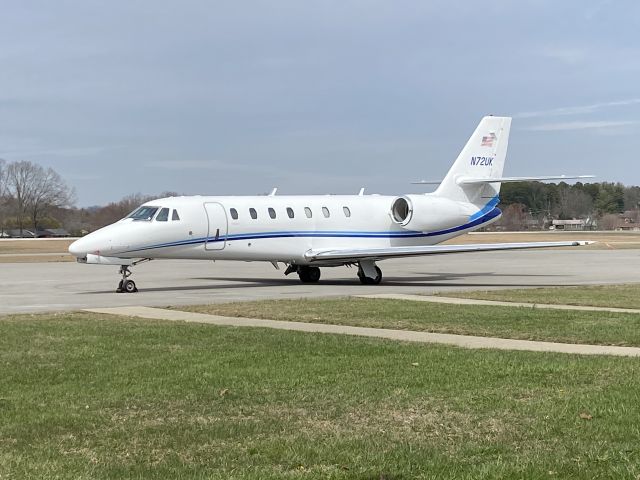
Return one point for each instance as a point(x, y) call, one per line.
point(490, 215)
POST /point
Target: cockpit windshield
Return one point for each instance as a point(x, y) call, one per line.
point(144, 213)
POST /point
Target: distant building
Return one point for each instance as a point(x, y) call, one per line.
point(627, 223)
point(572, 225)
point(52, 233)
point(15, 233)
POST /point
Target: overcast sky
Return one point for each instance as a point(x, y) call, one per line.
point(215, 97)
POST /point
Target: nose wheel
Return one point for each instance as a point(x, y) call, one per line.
point(125, 285)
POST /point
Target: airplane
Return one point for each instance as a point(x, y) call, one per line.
point(310, 232)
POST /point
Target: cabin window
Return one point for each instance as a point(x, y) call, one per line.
point(290, 212)
point(347, 212)
point(253, 213)
point(307, 212)
point(144, 213)
point(163, 216)
point(234, 213)
point(272, 212)
point(325, 212)
point(175, 216)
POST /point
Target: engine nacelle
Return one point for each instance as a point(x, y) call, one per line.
point(426, 213)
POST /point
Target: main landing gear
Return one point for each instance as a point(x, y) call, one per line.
point(306, 273)
point(368, 272)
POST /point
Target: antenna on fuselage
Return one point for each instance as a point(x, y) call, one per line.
point(361, 192)
point(273, 192)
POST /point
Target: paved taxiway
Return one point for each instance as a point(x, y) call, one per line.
point(34, 287)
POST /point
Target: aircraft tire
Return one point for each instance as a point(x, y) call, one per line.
point(309, 274)
point(129, 286)
point(370, 281)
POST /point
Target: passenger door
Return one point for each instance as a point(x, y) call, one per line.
point(217, 230)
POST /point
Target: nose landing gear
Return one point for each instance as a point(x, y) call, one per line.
point(125, 285)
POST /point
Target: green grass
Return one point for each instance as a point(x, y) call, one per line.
point(600, 328)
point(84, 396)
point(620, 296)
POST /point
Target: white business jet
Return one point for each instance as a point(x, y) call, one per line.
point(309, 232)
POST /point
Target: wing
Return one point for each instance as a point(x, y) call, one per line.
point(396, 252)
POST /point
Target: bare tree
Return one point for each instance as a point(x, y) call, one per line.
point(3, 195)
point(35, 190)
point(573, 203)
point(609, 221)
point(514, 217)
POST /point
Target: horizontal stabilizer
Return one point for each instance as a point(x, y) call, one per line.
point(356, 254)
point(478, 180)
point(427, 182)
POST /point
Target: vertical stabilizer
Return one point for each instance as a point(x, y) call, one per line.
point(482, 157)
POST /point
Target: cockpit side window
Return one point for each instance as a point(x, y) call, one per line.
point(144, 213)
point(163, 216)
point(175, 216)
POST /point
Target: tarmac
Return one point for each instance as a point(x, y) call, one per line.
point(63, 286)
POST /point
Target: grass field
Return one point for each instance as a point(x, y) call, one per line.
point(599, 328)
point(35, 250)
point(619, 296)
point(40, 245)
point(84, 397)
point(605, 240)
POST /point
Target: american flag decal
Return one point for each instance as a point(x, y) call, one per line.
point(488, 140)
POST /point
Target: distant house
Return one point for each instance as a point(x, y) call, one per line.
point(627, 227)
point(52, 233)
point(627, 223)
point(573, 225)
point(15, 233)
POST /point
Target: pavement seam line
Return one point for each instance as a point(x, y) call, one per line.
point(465, 341)
point(472, 301)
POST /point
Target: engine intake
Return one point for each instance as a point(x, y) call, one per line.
point(426, 213)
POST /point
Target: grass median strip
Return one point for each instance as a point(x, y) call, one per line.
point(596, 328)
point(91, 396)
point(619, 296)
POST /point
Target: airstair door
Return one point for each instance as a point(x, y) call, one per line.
point(217, 218)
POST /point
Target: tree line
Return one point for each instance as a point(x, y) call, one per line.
point(601, 201)
point(35, 197)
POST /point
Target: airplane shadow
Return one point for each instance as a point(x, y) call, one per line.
point(427, 281)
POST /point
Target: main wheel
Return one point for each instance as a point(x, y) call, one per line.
point(370, 281)
point(129, 286)
point(119, 289)
point(309, 274)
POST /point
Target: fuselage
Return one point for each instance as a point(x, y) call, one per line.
point(265, 228)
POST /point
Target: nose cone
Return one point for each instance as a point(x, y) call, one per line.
point(77, 248)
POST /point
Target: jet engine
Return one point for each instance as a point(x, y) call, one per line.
point(427, 213)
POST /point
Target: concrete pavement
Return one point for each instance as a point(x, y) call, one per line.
point(465, 341)
point(40, 287)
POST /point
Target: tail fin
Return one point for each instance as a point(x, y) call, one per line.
point(482, 157)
